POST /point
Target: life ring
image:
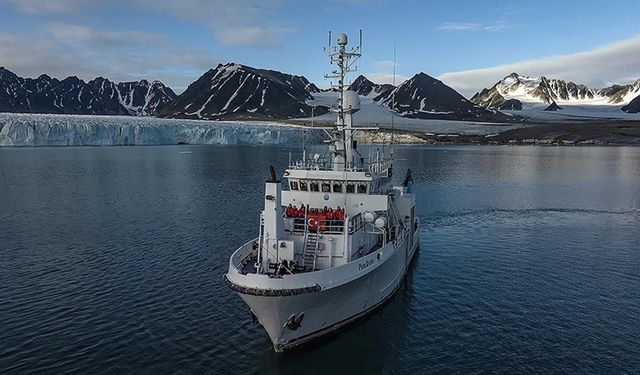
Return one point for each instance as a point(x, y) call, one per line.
point(313, 224)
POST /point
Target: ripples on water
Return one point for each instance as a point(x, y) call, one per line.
point(112, 262)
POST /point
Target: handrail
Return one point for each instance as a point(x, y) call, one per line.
point(325, 163)
point(315, 252)
point(326, 226)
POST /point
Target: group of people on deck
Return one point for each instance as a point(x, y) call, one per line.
point(317, 218)
point(325, 213)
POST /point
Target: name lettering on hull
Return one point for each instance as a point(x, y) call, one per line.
point(365, 264)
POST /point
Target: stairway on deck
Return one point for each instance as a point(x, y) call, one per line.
point(310, 250)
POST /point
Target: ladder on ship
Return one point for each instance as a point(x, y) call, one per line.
point(310, 252)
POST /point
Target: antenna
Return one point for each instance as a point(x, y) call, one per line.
point(360, 48)
point(304, 149)
point(393, 98)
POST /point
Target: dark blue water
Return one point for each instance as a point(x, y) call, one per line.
point(111, 261)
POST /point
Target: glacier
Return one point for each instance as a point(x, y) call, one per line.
point(86, 130)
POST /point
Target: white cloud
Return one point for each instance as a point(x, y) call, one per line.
point(473, 26)
point(65, 50)
point(386, 78)
point(253, 36)
point(382, 72)
point(458, 26)
point(617, 62)
point(238, 23)
point(47, 7)
point(83, 35)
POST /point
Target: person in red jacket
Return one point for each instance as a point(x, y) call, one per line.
point(330, 215)
point(301, 212)
point(339, 213)
point(289, 211)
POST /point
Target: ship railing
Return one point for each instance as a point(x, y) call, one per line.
point(300, 225)
point(355, 223)
point(326, 164)
point(242, 257)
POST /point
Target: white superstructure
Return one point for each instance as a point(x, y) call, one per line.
point(311, 271)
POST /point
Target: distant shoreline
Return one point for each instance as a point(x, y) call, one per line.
point(577, 133)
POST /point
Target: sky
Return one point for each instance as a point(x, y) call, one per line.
point(469, 45)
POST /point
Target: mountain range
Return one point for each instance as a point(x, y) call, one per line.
point(238, 92)
point(72, 95)
point(513, 90)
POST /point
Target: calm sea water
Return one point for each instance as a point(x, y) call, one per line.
point(111, 261)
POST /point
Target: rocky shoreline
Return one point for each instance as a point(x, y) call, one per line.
point(547, 134)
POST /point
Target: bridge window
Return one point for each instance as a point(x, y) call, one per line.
point(362, 188)
point(351, 188)
point(303, 185)
point(293, 185)
point(337, 187)
point(326, 187)
point(314, 186)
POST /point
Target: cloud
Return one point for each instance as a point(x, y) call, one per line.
point(47, 7)
point(386, 78)
point(617, 62)
point(64, 50)
point(253, 36)
point(382, 72)
point(83, 35)
point(470, 26)
point(234, 23)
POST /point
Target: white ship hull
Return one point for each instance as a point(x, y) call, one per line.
point(333, 307)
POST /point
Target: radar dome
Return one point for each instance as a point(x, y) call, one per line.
point(351, 101)
point(381, 222)
point(369, 216)
point(342, 39)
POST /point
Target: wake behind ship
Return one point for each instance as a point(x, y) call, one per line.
point(336, 242)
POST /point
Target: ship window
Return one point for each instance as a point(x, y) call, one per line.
point(337, 187)
point(362, 189)
point(351, 188)
point(303, 185)
point(326, 187)
point(294, 185)
point(314, 186)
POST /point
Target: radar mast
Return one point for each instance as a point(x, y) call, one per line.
point(348, 102)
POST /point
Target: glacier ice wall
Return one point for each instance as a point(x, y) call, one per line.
point(75, 130)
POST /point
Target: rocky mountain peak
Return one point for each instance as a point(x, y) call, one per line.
point(423, 96)
point(235, 91)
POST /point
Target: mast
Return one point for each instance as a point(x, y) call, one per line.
point(342, 147)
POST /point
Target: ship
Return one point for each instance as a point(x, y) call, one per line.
point(336, 237)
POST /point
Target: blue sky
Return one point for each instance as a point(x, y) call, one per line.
point(467, 44)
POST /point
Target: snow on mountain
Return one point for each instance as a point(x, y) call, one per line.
point(542, 90)
point(234, 91)
point(364, 87)
point(73, 130)
point(536, 90)
point(142, 98)
point(73, 96)
point(372, 113)
point(622, 94)
point(423, 96)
